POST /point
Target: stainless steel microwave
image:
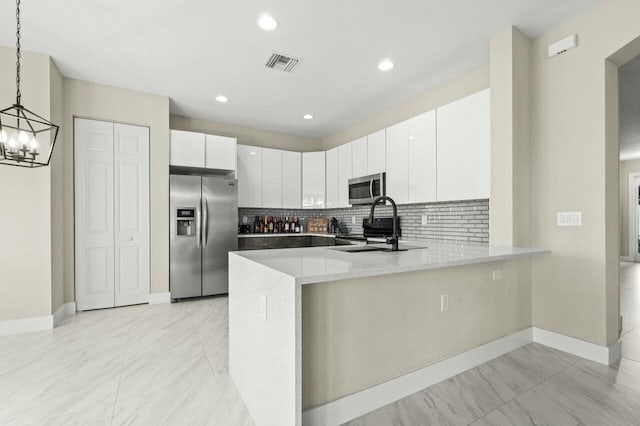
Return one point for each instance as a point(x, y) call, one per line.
point(362, 190)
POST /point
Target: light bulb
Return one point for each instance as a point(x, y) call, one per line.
point(33, 144)
point(12, 143)
point(267, 22)
point(23, 137)
point(385, 65)
point(3, 136)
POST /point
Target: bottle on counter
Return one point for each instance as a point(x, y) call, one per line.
point(286, 224)
point(297, 225)
point(271, 224)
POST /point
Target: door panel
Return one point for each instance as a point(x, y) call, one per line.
point(94, 214)
point(220, 233)
point(131, 153)
point(185, 265)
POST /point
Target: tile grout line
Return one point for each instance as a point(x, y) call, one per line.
point(531, 388)
point(206, 355)
point(124, 357)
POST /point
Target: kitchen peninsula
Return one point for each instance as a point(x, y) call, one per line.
point(312, 330)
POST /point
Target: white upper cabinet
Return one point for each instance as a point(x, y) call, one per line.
point(345, 172)
point(332, 181)
point(359, 157)
point(187, 149)
point(376, 152)
point(397, 162)
point(291, 180)
point(422, 158)
point(220, 152)
point(271, 178)
point(249, 176)
point(463, 151)
point(313, 180)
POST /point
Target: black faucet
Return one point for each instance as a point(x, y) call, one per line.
point(394, 239)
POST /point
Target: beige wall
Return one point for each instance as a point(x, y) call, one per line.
point(353, 338)
point(626, 167)
point(510, 205)
point(56, 169)
point(247, 135)
point(575, 289)
point(442, 94)
point(25, 209)
point(95, 101)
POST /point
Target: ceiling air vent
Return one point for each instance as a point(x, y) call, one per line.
point(281, 62)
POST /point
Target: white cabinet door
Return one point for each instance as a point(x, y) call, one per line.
point(422, 158)
point(345, 172)
point(249, 176)
point(313, 180)
point(220, 152)
point(464, 160)
point(359, 156)
point(131, 207)
point(271, 178)
point(291, 180)
point(94, 245)
point(376, 152)
point(187, 149)
point(332, 195)
point(397, 162)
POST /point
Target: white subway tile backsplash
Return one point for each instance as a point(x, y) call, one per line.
point(457, 220)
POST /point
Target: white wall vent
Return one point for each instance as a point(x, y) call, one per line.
point(281, 62)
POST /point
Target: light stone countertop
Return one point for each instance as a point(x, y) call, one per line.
point(321, 264)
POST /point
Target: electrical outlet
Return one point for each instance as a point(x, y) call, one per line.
point(424, 219)
point(263, 306)
point(497, 274)
point(244, 219)
point(444, 302)
point(353, 220)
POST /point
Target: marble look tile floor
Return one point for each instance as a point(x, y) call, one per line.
point(137, 365)
point(535, 385)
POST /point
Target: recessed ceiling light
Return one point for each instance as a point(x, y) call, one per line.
point(308, 116)
point(385, 65)
point(267, 22)
point(222, 99)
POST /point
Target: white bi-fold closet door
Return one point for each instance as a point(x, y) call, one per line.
point(111, 214)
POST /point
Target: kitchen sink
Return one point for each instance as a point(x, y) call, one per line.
point(365, 248)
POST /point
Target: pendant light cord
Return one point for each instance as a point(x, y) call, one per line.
point(18, 54)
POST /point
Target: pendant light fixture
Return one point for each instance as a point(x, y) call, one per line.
point(23, 132)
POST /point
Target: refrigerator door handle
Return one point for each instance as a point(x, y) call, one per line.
point(198, 222)
point(371, 188)
point(205, 221)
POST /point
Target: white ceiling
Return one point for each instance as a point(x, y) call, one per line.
point(629, 89)
point(193, 50)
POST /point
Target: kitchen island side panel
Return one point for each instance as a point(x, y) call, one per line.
point(365, 331)
point(265, 341)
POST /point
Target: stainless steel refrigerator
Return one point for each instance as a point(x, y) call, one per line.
point(204, 228)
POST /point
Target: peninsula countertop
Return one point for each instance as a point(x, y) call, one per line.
point(322, 264)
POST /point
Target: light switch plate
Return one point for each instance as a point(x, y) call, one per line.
point(244, 219)
point(569, 218)
point(353, 220)
point(497, 274)
point(424, 219)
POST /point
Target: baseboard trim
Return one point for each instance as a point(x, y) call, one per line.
point(63, 311)
point(26, 325)
point(591, 351)
point(365, 401)
point(157, 298)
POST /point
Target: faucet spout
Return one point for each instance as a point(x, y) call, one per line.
point(395, 238)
